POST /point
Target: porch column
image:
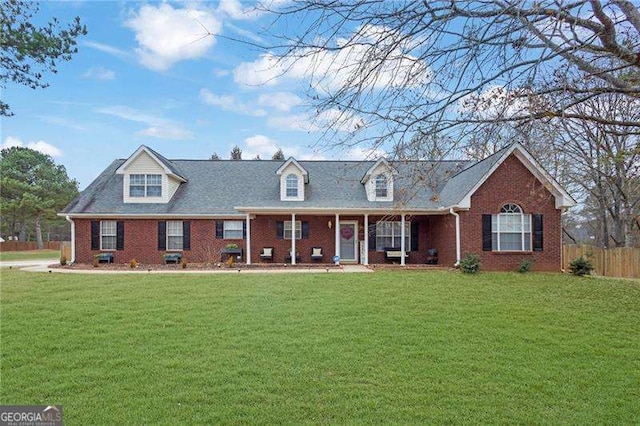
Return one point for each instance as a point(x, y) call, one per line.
point(248, 220)
point(402, 247)
point(366, 239)
point(337, 233)
point(293, 238)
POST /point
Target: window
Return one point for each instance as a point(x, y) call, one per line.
point(292, 185)
point(145, 185)
point(511, 229)
point(108, 236)
point(233, 229)
point(389, 234)
point(287, 230)
point(174, 235)
point(381, 186)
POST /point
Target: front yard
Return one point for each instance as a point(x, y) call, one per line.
point(389, 347)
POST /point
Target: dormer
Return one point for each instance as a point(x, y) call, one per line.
point(378, 181)
point(293, 178)
point(149, 177)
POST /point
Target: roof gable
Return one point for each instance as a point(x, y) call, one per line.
point(293, 161)
point(381, 161)
point(168, 167)
point(477, 174)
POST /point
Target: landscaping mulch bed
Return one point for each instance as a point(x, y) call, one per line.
point(195, 266)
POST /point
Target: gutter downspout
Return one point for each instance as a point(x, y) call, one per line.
point(457, 216)
point(73, 238)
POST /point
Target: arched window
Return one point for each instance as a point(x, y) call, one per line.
point(511, 229)
point(292, 185)
point(382, 187)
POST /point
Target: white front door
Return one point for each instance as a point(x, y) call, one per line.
point(348, 241)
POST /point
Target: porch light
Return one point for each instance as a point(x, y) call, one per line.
point(329, 224)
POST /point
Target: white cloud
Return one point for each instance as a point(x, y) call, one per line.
point(166, 35)
point(218, 72)
point(336, 120)
point(113, 51)
point(99, 73)
point(357, 153)
point(230, 103)
point(63, 122)
point(40, 146)
point(495, 101)
point(159, 127)
point(234, 9)
point(282, 101)
point(328, 70)
point(265, 147)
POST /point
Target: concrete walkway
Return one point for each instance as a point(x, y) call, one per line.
point(21, 263)
point(42, 267)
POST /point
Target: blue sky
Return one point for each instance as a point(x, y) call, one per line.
point(144, 74)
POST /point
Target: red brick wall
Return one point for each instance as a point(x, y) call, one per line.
point(141, 239)
point(141, 242)
point(512, 183)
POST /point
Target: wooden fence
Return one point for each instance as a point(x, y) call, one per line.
point(622, 262)
point(27, 245)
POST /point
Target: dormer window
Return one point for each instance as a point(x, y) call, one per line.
point(292, 185)
point(382, 188)
point(145, 185)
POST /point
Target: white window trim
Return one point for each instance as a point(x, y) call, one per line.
point(386, 189)
point(146, 185)
point(298, 230)
point(181, 235)
point(224, 229)
point(115, 234)
point(523, 232)
point(407, 232)
point(297, 188)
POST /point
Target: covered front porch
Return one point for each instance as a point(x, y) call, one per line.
point(352, 237)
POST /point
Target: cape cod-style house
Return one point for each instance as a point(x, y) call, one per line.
point(505, 208)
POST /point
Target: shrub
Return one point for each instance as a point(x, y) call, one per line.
point(230, 261)
point(183, 262)
point(470, 264)
point(63, 260)
point(96, 262)
point(525, 266)
point(232, 246)
point(133, 264)
point(580, 266)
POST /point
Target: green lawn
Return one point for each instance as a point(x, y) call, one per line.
point(30, 255)
point(389, 347)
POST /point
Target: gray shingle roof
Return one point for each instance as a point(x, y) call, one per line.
point(217, 187)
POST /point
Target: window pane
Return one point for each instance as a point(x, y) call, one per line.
point(174, 243)
point(287, 230)
point(233, 229)
point(381, 186)
point(511, 242)
point(136, 180)
point(136, 191)
point(108, 243)
point(154, 179)
point(292, 185)
point(494, 241)
point(527, 241)
point(154, 191)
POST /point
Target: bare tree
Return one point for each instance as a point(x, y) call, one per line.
point(279, 155)
point(214, 156)
point(236, 153)
point(392, 69)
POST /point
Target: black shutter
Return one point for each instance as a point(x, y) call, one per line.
point(486, 232)
point(120, 235)
point(280, 230)
point(414, 236)
point(244, 229)
point(305, 230)
point(219, 229)
point(162, 235)
point(537, 232)
point(186, 235)
point(95, 235)
point(372, 237)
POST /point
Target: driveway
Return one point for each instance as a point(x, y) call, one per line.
point(21, 263)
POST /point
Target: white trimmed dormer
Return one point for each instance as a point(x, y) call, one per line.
point(378, 181)
point(293, 178)
point(148, 178)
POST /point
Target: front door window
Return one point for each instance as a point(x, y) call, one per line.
point(348, 241)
